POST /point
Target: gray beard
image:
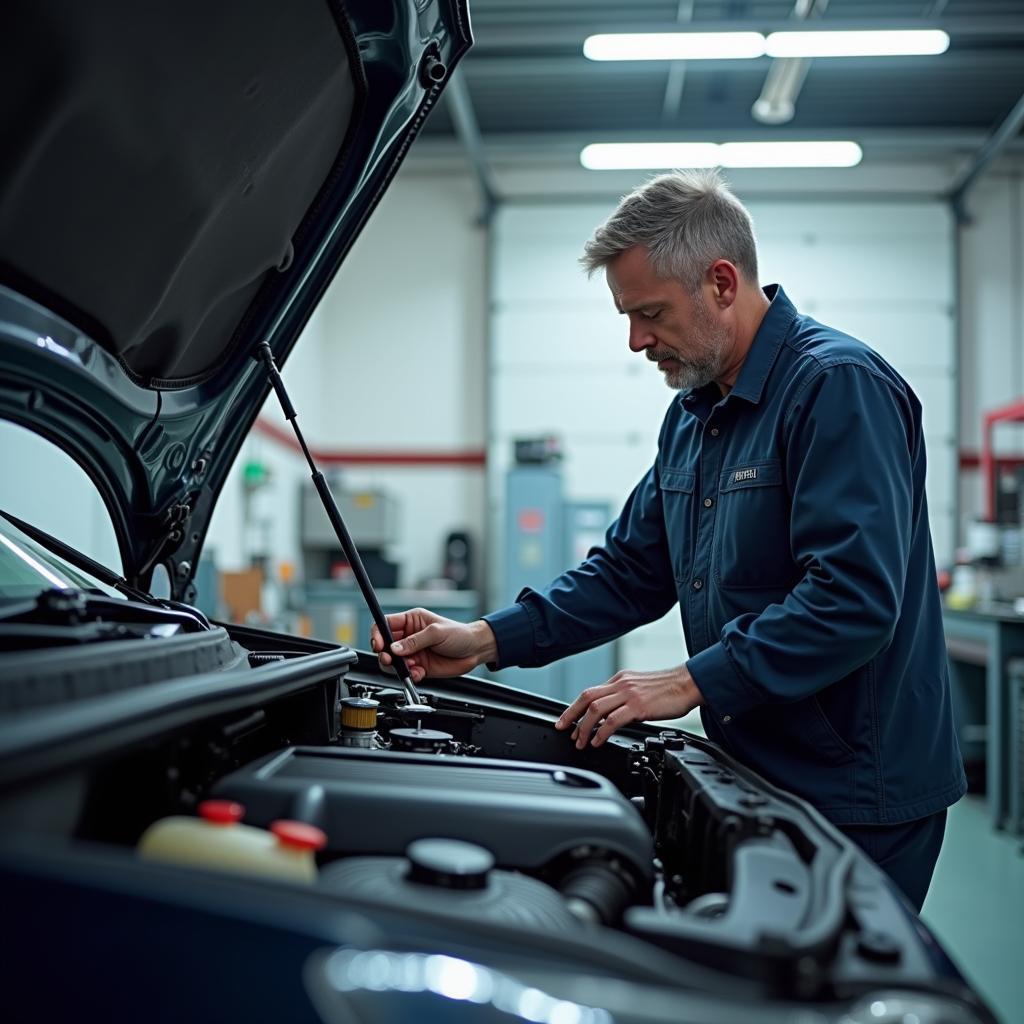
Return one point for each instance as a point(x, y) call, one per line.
point(698, 370)
point(704, 367)
point(694, 373)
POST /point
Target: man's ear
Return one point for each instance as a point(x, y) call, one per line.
point(724, 279)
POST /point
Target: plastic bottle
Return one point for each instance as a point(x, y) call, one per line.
point(216, 840)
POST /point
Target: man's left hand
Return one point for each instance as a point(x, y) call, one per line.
point(630, 697)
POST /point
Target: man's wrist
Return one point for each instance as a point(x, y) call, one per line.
point(485, 643)
point(691, 688)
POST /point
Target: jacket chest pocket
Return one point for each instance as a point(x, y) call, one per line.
point(677, 506)
point(751, 548)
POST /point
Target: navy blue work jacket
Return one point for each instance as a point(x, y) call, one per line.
point(788, 520)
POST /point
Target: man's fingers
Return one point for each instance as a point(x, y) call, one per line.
point(417, 641)
point(377, 641)
point(598, 709)
point(396, 622)
point(580, 705)
point(408, 644)
point(616, 720)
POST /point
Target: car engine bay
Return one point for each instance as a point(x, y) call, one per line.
point(653, 855)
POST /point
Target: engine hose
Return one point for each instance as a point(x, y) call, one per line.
point(595, 892)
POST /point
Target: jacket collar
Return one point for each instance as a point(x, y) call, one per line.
point(765, 348)
point(762, 355)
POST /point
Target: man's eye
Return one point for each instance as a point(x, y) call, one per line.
point(650, 316)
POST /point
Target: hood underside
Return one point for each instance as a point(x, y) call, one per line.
point(179, 183)
point(172, 165)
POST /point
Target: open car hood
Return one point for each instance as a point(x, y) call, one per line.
point(180, 183)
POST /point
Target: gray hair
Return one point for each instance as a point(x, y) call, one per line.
point(686, 220)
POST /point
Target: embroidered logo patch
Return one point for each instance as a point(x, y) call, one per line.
point(744, 474)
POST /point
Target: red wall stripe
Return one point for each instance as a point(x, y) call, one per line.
point(368, 457)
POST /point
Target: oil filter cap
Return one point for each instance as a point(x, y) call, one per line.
point(449, 863)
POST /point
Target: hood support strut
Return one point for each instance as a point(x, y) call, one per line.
point(414, 701)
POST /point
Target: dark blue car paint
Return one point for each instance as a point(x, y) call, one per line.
point(159, 456)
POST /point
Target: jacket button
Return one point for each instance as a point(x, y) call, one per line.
point(714, 431)
point(727, 719)
point(697, 584)
point(708, 502)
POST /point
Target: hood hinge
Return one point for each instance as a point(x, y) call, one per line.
point(168, 530)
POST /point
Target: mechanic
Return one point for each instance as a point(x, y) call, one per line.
point(785, 513)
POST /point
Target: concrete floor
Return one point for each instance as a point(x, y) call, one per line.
point(976, 907)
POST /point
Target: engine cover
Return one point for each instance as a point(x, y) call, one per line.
point(377, 802)
point(507, 896)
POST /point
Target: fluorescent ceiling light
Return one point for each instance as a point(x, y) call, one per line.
point(675, 46)
point(902, 43)
point(791, 154)
point(746, 45)
point(614, 156)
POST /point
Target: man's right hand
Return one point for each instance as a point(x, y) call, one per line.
point(435, 646)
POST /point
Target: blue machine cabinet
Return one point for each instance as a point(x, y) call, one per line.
point(544, 535)
point(338, 611)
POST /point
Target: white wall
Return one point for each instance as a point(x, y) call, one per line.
point(879, 270)
point(392, 361)
point(406, 331)
point(236, 531)
point(396, 357)
point(44, 486)
point(992, 319)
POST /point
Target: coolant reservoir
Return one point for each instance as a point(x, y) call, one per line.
point(218, 841)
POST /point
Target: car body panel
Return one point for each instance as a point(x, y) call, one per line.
point(158, 443)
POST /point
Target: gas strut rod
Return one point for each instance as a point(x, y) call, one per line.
point(345, 538)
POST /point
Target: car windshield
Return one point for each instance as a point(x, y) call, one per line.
point(26, 568)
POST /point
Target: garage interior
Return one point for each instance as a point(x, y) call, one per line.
point(471, 398)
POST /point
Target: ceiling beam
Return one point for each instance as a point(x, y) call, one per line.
point(880, 141)
point(486, 66)
point(570, 34)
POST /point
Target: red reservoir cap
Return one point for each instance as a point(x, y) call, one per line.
point(221, 812)
point(299, 835)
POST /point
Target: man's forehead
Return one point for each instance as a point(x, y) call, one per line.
point(630, 263)
point(635, 290)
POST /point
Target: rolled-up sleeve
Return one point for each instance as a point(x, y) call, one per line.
point(849, 458)
point(621, 585)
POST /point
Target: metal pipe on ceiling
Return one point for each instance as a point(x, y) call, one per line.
point(785, 78)
point(994, 145)
point(673, 98)
point(468, 132)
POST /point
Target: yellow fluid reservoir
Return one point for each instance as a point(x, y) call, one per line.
point(218, 841)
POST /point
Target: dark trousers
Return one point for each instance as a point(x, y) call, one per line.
point(906, 853)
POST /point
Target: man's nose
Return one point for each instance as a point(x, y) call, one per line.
point(640, 337)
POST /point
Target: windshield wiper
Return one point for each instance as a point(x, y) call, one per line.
point(81, 561)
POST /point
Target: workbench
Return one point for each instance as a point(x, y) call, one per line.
point(981, 643)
